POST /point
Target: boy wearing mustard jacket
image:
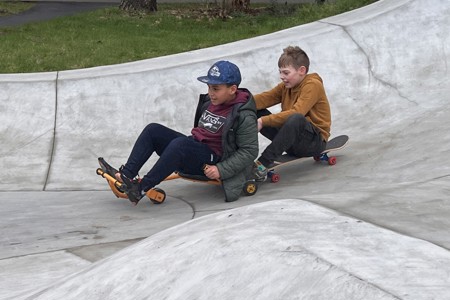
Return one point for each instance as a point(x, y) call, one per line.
point(302, 128)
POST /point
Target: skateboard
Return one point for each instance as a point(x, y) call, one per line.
point(334, 144)
point(249, 188)
point(157, 195)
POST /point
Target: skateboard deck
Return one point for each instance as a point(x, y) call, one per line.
point(249, 188)
point(157, 195)
point(334, 144)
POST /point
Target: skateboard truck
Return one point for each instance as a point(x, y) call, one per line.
point(324, 157)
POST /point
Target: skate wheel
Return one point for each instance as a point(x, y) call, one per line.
point(250, 188)
point(156, 195)
point(275, 177)
point(332, 160)
point(316, 158)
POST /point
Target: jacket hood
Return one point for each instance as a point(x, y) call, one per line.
point(249, 102)
point(308, 78)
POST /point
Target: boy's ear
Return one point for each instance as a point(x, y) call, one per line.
point(233, 88)
point(302, 70)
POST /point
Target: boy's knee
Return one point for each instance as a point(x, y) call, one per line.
point(177, 145)
point(152, 127)
point(296, 120)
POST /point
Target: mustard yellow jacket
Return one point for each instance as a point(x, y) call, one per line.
point(308, 98)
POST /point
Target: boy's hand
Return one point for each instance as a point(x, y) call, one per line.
point(212, 172)
point(260, 124)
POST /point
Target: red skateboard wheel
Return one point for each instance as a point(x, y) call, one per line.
point(275, 177)
point(332, 160)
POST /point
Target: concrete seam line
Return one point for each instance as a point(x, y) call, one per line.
point(52, 152)
point(370, 71)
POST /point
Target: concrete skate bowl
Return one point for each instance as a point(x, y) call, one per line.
point(385, 68)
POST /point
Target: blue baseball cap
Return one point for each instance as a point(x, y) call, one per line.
point(222, 72)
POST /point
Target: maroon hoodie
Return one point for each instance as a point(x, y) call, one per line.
point(211, 122)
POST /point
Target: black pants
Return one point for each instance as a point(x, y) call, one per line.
point(296, 137)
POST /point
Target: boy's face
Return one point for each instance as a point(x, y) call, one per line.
point(221, 93)
point(292, 76)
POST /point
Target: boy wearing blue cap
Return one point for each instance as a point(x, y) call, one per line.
point(224, 139)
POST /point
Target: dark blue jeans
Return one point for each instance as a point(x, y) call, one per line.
point(177, 152)
point(296, 137)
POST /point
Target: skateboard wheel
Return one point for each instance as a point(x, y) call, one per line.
point(156, 195)
point(332, 160)
point(316, 158)
point(275, 177)
point(250, 188)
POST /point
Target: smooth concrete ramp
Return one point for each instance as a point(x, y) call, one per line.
point(385, 68)
point(287, 249)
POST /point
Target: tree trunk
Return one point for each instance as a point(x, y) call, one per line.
point(240, 4)
point(227, 6)
point(138, 5)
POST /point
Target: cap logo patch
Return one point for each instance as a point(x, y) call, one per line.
point(214, 71)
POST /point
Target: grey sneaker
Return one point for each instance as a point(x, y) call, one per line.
point(132, 187)
point(259, 171)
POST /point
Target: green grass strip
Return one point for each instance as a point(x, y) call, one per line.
point(111, 36)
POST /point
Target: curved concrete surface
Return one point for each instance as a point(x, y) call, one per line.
point(381, 213)
point(275, 250)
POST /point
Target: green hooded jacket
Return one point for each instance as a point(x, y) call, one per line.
point(239, 144)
